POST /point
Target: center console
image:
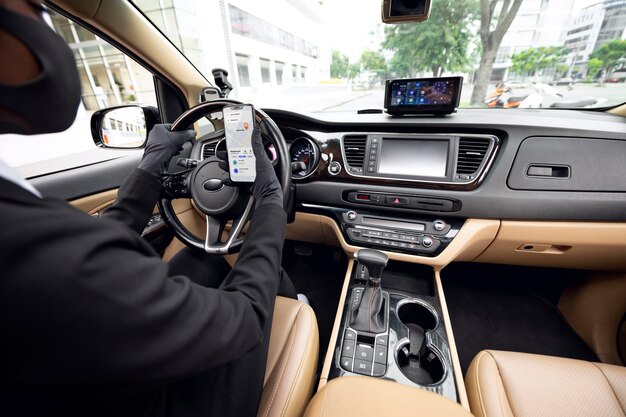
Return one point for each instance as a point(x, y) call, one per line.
point(424, 235)
point(392, 326)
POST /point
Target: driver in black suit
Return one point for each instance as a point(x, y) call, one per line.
point(93, 323)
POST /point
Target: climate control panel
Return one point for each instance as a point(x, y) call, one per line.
point(417, 236)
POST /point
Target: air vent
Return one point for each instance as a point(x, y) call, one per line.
point(208, 150)
point(472, 152)
point(354, 148)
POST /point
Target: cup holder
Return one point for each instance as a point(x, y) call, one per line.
point(418, 362)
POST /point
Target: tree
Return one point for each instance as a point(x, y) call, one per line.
point(339, 65)
point(496, 17)
point(532, 60)
point(439, 44)
point(593, 67)
point(373, 60)
point(610, 53)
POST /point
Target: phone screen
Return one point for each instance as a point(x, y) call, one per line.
point(238, 126)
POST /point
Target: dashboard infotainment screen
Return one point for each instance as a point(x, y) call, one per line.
point(419, 158)
point(423, 95)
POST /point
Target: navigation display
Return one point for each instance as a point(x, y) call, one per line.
point(419, 158)
point(423, 95)
point(238, 126)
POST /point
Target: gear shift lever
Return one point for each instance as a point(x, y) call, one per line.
point(369, 316)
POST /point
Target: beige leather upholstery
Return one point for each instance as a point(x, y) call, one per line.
point(373, 397)
point(292, 360)
point(523, 385)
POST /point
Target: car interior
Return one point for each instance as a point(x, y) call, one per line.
point(491, 281)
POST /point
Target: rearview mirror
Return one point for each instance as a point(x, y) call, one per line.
point(404, 11)
point(122, 127)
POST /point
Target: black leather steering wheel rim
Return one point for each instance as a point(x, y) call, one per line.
point(233, 244)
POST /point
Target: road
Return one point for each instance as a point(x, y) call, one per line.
point(35, 155)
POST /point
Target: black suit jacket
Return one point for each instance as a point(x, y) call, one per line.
point(89, 313)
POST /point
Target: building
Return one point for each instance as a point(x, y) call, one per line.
point(108, 77)
point(538, 23)
point(591, 28)
point(265, 46)
point(614, 22)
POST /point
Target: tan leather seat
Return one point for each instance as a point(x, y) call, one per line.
point(292, 360)
point(523, 385)
point(374, 397)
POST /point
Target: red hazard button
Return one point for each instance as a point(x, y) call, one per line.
point(397, 201)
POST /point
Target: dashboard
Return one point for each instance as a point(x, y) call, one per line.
point(408, 184)
point(498, 164)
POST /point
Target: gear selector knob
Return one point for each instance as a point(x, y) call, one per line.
point(375, 261)
point(371, 312)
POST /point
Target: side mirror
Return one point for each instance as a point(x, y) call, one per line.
point(123, 127)
point(403, 11)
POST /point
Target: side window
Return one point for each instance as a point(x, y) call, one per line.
point(108, 78)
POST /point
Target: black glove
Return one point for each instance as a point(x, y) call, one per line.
point(266, 189)
point(162, 145)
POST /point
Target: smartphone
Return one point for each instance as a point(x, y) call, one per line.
point(238, 126)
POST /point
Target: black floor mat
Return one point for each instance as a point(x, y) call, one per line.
point(510, 308)
point(318, 272)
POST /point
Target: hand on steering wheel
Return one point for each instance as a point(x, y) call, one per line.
point(215, 195)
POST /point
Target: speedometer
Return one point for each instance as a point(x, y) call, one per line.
point(304, 156)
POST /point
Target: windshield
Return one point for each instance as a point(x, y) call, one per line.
point(331, 55)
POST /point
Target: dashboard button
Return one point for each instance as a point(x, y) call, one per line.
point(362, 367)
point(334, 168)
point(364, 352)
point(350, 334)
point(439, 225)
point(382, 340)
point(380, 356)
point(379, 369)
point(351, 215)
point(346, 363)
point(427, 241)
point(397, 201)
point(348, 348)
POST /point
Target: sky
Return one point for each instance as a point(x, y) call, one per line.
point(350, 23)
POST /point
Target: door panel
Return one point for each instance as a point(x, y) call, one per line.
point(87, 180)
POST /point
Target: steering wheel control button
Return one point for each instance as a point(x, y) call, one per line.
point(334, 168)
point(439, 225)
point(427, 241)
point(212, 185)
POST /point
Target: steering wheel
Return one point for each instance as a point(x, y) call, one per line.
point(206, 185)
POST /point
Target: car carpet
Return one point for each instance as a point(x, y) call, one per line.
point(510, 308)
point(318, 272)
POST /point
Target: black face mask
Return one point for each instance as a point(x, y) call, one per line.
point(48, 103)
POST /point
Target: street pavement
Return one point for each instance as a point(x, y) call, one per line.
point(35, 155)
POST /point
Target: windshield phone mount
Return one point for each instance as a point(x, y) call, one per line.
point(221, 80)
